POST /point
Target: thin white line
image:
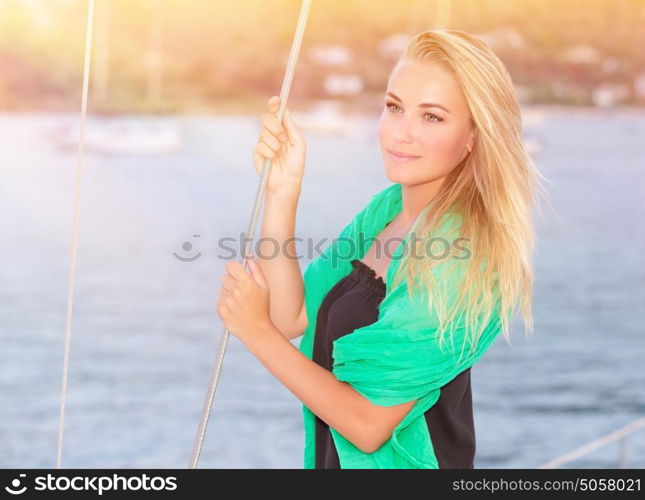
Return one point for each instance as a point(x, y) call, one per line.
point(594, 445)
point(72, 265)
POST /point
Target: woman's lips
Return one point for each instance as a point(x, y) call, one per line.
point(401, 159)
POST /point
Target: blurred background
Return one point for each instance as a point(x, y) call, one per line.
point(176, 92)
point(225, 57)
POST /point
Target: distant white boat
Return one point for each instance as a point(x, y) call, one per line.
point(121, 137)
point(326, 118)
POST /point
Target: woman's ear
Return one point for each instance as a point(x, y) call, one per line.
point(471, 141)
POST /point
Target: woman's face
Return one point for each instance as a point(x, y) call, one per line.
point(437, 137)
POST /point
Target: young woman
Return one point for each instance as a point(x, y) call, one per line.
point(379, 389)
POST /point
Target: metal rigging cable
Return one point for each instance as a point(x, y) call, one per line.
point(72, 266)
point(259, 196)
point(284, 93)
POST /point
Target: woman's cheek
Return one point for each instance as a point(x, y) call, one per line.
point(445, 148)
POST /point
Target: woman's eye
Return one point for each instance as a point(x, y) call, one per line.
point(390, 105)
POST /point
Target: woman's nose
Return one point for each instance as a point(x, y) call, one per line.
point(402, 130)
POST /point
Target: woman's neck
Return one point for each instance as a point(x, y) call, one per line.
point(414, 199)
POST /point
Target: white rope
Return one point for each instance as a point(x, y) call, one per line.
point(72, 266)
point(259, 196)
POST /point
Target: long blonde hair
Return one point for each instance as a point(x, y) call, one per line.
point(491, 191)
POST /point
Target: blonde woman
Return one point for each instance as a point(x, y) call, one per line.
point(389, 337)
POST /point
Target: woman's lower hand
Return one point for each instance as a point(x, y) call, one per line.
point(243, 301)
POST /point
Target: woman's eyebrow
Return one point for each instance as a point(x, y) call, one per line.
point(423, 104)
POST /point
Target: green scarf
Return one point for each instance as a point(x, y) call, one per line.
point(394, 360)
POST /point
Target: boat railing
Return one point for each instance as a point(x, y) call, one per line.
point(620, 435)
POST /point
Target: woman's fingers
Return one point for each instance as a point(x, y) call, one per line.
point(270, 140)
point(236, 271)
point(228, 283)
point(266, 151)
point(276, 139)
point(288, 127)
point(262, 152)
point(274, 103)
point(271, 123)
point(293, 133)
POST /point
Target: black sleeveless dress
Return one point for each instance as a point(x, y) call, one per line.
point(352, 303)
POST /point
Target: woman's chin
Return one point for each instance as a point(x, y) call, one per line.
point(398, 173)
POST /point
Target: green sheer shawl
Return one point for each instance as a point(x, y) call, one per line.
point(394, 360)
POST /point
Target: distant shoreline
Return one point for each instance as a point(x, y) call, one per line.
point(231, 108)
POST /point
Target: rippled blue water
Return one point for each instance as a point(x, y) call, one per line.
point(145, 331)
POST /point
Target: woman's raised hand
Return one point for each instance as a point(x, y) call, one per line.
point(285, 146)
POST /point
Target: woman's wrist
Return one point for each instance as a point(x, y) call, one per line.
point(283, 195)
point(256, 343)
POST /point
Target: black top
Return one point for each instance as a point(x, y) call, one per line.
point(352, 303)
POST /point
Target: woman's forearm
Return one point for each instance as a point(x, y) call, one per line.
point(336, 403)
point(277, 256)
